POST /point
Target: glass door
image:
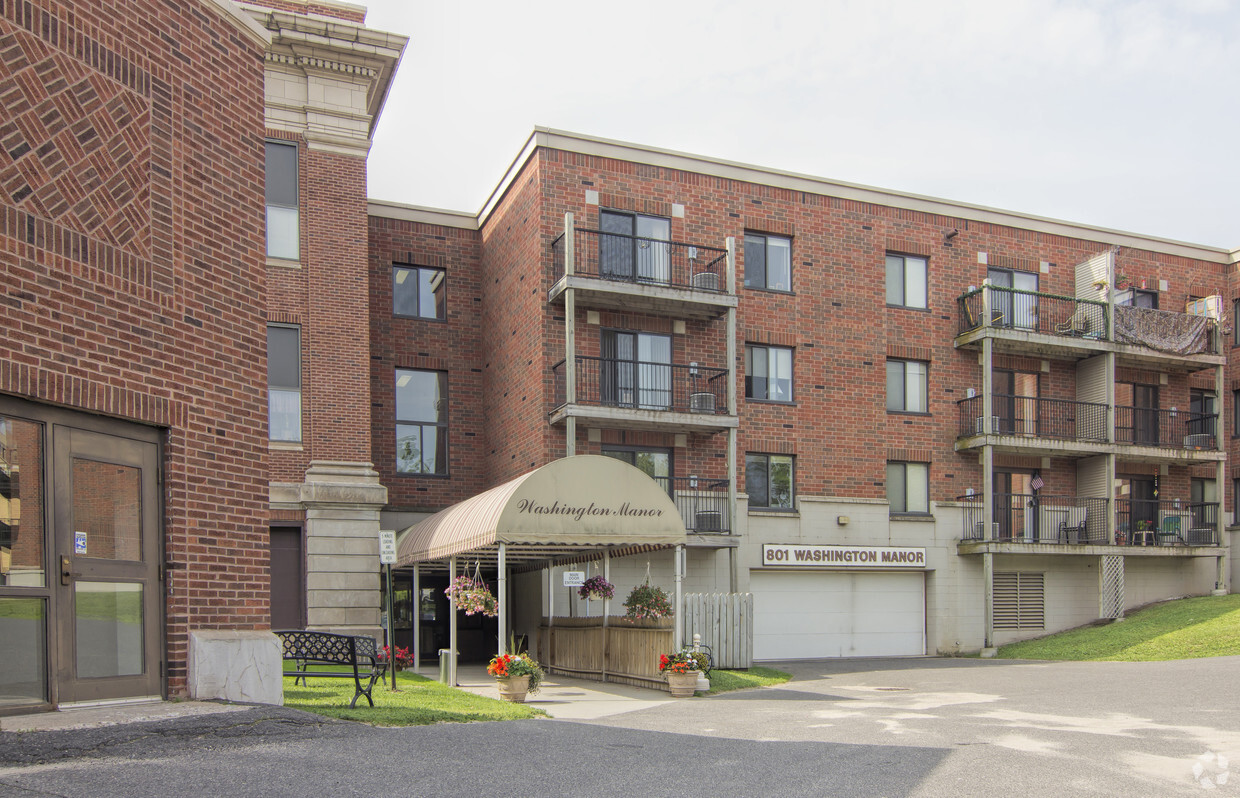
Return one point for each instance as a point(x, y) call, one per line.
point(653, 255)
point(107, 545)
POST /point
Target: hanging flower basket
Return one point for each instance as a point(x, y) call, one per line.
point(596, 587)
point(646, 601)
point(471, 594)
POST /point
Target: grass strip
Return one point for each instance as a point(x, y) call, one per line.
point(418, 702)
point(757, 676)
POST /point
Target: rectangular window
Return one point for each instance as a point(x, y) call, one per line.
point(906, 281)
point(768, 373)
point(906, 386)
point(769, 480)
point(284, 382)
point(768, 262)
point(283, 227)
point(1235, 412)
point(634, 247)
point(418, 292)
point(908, 488)
point(421, 422)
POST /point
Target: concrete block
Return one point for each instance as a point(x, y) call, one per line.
point(235, 665)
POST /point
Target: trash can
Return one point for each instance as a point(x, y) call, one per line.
point(445, 665)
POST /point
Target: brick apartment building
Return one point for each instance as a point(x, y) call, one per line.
point(906, 425)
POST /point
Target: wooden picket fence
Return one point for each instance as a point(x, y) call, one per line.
point(725, 622)
point(624, 651)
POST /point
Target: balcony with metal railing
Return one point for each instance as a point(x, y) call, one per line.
point(626, 272)
point(1051, 325)
point(703, 503)
point(1022, 522)
point(630, 394)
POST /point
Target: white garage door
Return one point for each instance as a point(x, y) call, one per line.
point(809, 615)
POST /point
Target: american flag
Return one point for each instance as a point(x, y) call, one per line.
point(1036, 483)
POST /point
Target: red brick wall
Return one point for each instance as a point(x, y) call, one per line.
point(131, 240)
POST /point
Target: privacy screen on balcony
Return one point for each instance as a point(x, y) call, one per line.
point(1177, 333)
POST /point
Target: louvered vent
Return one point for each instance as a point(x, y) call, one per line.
point(1020, 601)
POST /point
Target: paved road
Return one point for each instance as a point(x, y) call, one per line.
point(864, 728)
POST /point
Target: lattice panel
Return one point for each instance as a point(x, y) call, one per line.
point(1111, 591)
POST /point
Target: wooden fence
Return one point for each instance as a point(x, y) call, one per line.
point(623, 651)
point(725, 622)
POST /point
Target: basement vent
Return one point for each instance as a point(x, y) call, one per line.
point(1020, 602)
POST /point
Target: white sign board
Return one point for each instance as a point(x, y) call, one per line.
point(79, 542)
point(387, 547)
point(843, 556)
point(574, 578)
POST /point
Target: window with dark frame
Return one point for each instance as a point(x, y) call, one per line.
point(1235, 417)
point(635, 247)
point(907, 386)
point(418, 292)
point(284, 382)
point(768, 262)
point(421, 422)
point(768, 373)
point(1235, 322)
point(908, 488)
point(283, 217)
point(906, 281)
point(769, 481)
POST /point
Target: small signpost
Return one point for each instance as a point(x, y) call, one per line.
point(387, 558)
point(574, 578)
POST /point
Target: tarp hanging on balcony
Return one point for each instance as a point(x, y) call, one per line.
point(1177, 333)
point(584, 501)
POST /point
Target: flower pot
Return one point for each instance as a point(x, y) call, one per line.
point(513, 688)
point(682, 685)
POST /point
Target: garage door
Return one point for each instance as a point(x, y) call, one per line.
point(808, 615)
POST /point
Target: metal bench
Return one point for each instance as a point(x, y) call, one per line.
point(326, 648)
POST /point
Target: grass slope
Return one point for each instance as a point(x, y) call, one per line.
point(1208, 626)
point(726, 681)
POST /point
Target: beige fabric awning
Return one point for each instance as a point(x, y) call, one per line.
point(572, 504)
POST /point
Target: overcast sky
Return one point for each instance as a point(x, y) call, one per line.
point(1111, 113)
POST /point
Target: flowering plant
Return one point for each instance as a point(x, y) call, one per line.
point(403, 658)
point(596, 587)
point(647, 602)
point(471, 594)
point(683, 661)
point(504, 665)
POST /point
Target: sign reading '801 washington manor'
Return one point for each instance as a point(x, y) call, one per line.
point(844, 556)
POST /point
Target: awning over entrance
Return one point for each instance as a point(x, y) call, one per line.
point(573, 504)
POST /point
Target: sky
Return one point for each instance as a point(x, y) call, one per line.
point(1109, 113)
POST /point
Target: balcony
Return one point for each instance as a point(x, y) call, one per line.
point(703, 503)
point(1041, 427)
point(649, 275)
point(629, 394)
point(1049, 325)
point(1041, 523)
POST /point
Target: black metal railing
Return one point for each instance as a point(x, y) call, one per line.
point(1034, 417)
point(1037, 518)
point(1033, 311)
point(1155, 522)
point(703, 503)
point(644, 261)
point(614, 382)
point(1166, 429)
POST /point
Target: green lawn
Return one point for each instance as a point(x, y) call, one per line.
point(418, 702)
point(1208, 626)
point(726, 681)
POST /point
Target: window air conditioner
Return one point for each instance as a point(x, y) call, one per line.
point(980, 425)
point(979, 534)
point(702, 402)
point(706, 281)
point(1200, 440)
point(708, 521)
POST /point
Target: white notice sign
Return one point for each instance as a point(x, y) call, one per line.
point(387, 547)
point(574, 578)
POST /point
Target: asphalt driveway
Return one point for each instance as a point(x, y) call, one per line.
point(918, 727)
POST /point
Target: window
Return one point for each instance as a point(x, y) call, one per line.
point(906, 386)
point(908, 488)
point(906, 281)
point(768, 373)
point(634, 247)
point(636, 370)
point(1015, 303)
point(1235, 412)
point(1201, 416)
point(769, 480)
point(655, 463)
point(283, 229)
point(421, 422)
point(768, 262)
point(1138, 298)
point(284, 382)
point(418, 292)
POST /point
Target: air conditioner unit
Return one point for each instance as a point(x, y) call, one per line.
point(702, 402)
point(1200, 440)
point(708, 521)
point(979, 533)
point(980, 425)
point(706, 281)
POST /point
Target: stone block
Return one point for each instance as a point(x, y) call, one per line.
point(238, 665)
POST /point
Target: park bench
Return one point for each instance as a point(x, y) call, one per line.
point(359, 652)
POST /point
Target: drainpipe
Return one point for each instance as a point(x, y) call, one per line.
point(731, 356)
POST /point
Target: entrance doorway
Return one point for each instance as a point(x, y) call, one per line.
point(81, 612)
